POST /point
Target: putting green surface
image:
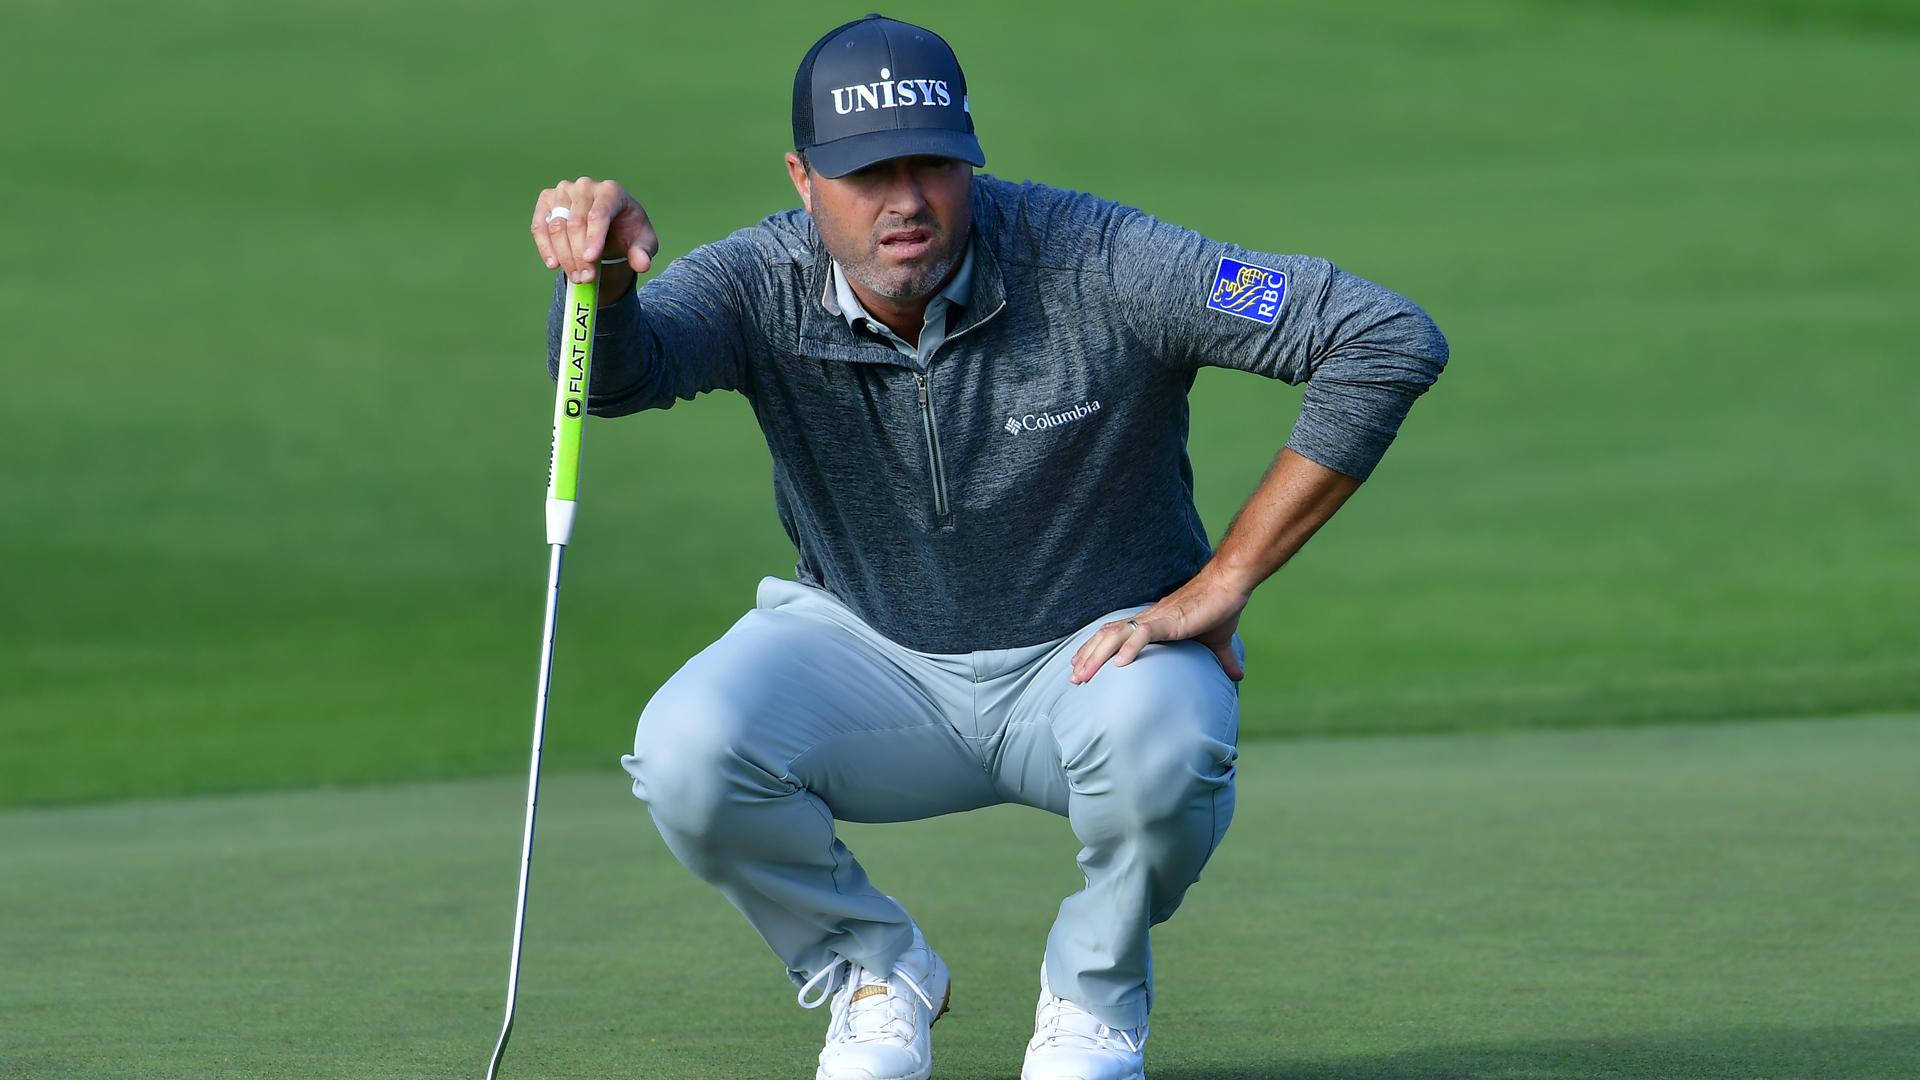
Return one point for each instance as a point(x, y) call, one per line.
point(1728, 901)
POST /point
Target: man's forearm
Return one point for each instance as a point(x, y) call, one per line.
point(1296, 497)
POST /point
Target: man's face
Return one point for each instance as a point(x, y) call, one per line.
point(898, 226)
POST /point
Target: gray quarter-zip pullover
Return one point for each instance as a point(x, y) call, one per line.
point(1030, 472)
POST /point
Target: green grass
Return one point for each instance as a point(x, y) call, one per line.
point(1729, 902)
point(275, 427)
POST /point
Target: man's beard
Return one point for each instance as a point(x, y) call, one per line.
point(901, 283)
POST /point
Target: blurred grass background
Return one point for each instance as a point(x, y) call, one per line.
point(275, 431)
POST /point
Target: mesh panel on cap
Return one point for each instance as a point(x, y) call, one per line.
point(803, 86)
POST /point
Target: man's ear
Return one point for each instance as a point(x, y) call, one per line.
point(802, 183)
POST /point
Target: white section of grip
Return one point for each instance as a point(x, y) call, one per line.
point(560, 520)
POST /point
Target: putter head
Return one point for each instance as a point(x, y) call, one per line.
point(499, 1050)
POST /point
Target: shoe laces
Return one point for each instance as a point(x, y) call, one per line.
point(1062, 1023)
point(871, 1017)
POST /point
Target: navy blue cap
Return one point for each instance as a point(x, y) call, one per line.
point(878, 88)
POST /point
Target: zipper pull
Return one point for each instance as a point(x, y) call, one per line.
point(922, 380)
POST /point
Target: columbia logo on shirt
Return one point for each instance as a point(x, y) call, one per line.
point(1042, 421)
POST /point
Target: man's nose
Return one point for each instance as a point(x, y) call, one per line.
point(905, 196)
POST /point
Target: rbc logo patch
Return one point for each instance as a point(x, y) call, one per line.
point(1251, 292)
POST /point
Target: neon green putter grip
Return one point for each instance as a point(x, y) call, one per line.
point(570, 409)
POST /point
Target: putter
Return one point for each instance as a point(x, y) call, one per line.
point(563, 483)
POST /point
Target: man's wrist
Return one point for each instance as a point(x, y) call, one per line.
point(1233, 575)
point(616, 281)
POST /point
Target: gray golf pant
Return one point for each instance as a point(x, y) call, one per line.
point(801, 714)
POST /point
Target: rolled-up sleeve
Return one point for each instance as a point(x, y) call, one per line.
point(678, 335)
point(1363, 351)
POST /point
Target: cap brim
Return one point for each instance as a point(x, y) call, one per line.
point(842, 156)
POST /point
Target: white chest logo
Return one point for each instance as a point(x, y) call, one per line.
point(1042, 421)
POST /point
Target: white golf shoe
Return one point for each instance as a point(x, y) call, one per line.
point(1070, 1043)
point(880, 1023)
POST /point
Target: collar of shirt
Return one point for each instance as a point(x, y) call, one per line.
point(933, 325)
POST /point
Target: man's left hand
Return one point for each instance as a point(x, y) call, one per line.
point(1206, 609)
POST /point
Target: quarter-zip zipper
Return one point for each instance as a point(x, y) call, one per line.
point(942, 512)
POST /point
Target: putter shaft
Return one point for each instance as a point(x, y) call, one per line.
point(533, 803)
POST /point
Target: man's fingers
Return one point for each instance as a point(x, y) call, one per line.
point(1229, 663)
point(540, 239)
point(600, 218)
point(601, 206)
point(1086, 655)
point(645, 243)
point(631, 229)
point(1091, 657)
point(562, 245)
point(557, 234)
point(1088, 648)
point(1137, 637)
point(1117, 641)
point(580, 201)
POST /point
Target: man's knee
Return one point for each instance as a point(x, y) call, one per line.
point(1153, 745)
point(691, 752)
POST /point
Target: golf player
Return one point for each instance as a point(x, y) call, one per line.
point(974, 392)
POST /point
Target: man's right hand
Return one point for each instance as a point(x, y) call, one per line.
point(605, 218)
